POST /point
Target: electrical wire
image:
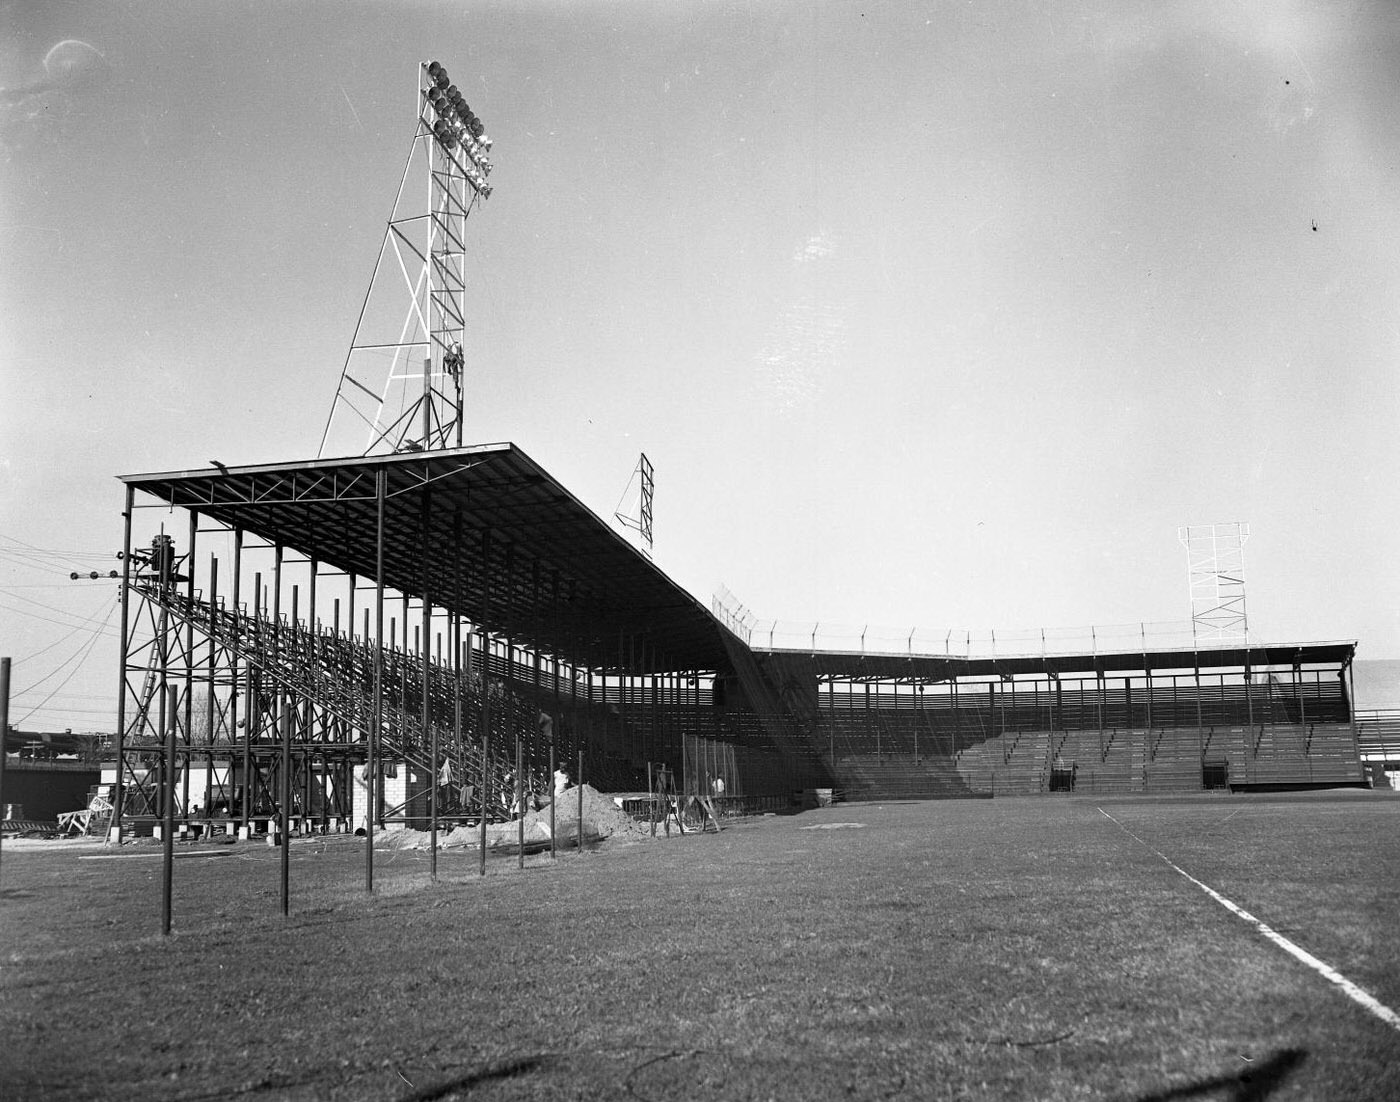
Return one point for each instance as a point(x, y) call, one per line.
point(55, 585)
point(62, 710)
point(54, 551)
point(91, 643)
point(83, 621)
point(96, 631)
point(46, 556)
point(56, 642)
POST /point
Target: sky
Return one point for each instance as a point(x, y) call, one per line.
point(944, 315)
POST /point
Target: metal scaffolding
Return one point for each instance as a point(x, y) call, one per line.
point(1215, 574)
point(402, 613)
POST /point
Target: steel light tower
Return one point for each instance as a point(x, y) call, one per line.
point(643, 477)
point(414, 318)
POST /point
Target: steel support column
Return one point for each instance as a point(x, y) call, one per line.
point(114, 830)
point(381, 486)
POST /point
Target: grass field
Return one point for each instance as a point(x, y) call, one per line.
point(965, 949)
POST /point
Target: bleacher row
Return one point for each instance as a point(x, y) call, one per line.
point(888, 755)
point(1378, 733)
point(980, 708)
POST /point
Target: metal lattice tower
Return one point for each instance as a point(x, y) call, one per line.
point(643, 478)
point(415, 312)
point(1215, 570)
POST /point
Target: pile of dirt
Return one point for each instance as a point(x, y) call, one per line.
point(602, 818)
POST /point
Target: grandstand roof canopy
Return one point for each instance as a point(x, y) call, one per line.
point(917, 667)
point(485, 530)
point(489, 534)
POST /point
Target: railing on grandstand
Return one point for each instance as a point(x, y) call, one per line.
point(876, 640)
point(870, 639)
point(1378, 732)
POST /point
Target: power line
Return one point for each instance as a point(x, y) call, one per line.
point(84, 621)
point(51, 646)
point(54, 552)
point(64, 710)
point(49, 585)
point(83, 658)
point(85, 643)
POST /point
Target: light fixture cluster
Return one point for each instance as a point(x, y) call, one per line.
point(456, 126)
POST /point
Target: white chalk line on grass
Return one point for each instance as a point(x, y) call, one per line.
point(1351, 990)
point(134, 856)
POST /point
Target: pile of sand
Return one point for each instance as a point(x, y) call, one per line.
point(602, 818)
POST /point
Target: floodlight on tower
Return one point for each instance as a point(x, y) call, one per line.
point(420, 404)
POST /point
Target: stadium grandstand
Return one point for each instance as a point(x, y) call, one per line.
point(395, 624)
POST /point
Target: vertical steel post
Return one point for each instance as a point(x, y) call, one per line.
point(252, 717)
point(114, 830)
point(294, 705)
point(482, 801)
point(454, 635)
point(309, 725)
point(461, 659)
point(483, 620)
point(919, 719)
point(381, 483)
point(653, 739)
point(237, 630)
point(623, 669)
point(167, 717)
point(1348, 680)
point(5, 722)
point(284, 826)
point(520, 797)
point(1249, 704)
point(344, 769)
point(580, 801)
point(556, 726)
point(427, 659)
point(209, 688)
point(486, 734)
point(279, 695)
point(535, 700)
point(1299, 696)
point(428, 382)
point(1100, 703)
point(588, 701)
point(189, 675)
point(957, 719)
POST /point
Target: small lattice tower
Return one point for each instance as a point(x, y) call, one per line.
point(1215, 570)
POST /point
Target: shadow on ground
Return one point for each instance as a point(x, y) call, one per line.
point(1255, 1084)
